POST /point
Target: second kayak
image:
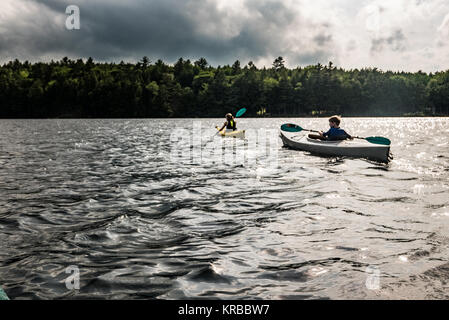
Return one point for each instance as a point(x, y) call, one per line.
point(347, 148)
point(232, 134)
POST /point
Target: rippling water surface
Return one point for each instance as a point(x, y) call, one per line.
point(109, 197)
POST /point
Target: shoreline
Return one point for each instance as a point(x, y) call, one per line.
point(249, 117)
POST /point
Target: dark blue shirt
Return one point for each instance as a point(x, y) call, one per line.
point(336, 134)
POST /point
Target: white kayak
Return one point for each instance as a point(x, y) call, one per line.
point(348, 148)
point(232, 133)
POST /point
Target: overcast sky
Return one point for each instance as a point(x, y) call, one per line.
point(408, 35)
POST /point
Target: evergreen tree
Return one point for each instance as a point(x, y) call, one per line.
point(69, 88)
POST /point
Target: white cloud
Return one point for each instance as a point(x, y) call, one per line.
point(398, 35)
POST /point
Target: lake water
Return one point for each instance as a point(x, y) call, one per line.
point(143, 213)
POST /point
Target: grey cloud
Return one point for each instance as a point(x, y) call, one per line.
point(169, 29)
point(396, 42)
point(131, 29)
point(311, 57)
point(322, 39)
point(272, 12)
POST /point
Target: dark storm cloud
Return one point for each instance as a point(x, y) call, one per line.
point(395, 42)
point(126, 29)
point(169, 29)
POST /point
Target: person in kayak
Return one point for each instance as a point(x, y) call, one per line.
point(230, 123)
point(335, 133)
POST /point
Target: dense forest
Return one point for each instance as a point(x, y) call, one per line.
point(84, 88)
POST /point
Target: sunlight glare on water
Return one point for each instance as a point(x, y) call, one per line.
point(107, 196)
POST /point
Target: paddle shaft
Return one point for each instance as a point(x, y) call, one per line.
point(375, 140)
point(311, 130)
point(320, 131)
point(361, 138)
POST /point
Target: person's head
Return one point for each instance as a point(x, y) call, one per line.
point(334, 121)
point(229, 116)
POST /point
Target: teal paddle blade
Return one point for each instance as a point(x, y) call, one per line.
point(291, 128)
point(3, 295)
point(240, 112)
point(379, 140)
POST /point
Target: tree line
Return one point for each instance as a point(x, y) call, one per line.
point(87, 89)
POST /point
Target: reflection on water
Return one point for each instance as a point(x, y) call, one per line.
point(104, 195)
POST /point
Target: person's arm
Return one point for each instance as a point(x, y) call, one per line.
point(345, 134)
point(325, 134)
point(224, 126)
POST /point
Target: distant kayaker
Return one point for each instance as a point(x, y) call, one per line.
point(230, 123)
point(334, 133)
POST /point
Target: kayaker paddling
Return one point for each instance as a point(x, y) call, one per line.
point(335, 133)
point(229, 128)
point(373, 148)
point(230, 123)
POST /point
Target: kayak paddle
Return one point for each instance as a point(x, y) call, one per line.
point(375, 140)
point(240, 113)
point(3, 295)
point(294, 128)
